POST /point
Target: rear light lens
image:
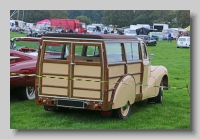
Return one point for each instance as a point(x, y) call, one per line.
point(86, 104)
point(98, 106)
point(44, 101)
point(52, 101)
point(39, 100)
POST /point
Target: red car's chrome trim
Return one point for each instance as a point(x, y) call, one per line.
point(17, 76)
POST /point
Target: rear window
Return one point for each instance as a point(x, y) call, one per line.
point(86, 53)
point(182, 39)
point(56, 51)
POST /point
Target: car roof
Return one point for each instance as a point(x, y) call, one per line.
point(90, 36)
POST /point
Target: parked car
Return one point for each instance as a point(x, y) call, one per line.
point(150, 41)
point(23, 61)
point(101, 72)
point(183, 41)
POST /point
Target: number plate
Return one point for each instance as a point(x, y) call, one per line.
point(70, 103)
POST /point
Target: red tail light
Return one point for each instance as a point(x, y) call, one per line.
point(39, 100)
point(52, 101)
point(86, 104)
point(105, 91)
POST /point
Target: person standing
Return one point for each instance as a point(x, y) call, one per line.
point(169, 37)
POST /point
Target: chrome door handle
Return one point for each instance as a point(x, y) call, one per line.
point(73, 63)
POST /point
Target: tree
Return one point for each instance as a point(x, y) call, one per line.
point(84, 19)
point(58, 14)
point(183, 18)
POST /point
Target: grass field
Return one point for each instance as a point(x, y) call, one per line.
point(173, 113)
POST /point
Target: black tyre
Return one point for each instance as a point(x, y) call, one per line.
point(155, 44)
point(123, 112)
point(159, 97)
point(26, 93)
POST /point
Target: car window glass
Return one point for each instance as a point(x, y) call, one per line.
point(114, 52)
point(84, 53)
point(132, 52)
point(56, 51)
point(182, 39)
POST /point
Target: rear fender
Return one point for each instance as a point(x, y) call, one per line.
point(124, 93)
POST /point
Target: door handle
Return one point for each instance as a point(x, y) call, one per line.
point(73, 63)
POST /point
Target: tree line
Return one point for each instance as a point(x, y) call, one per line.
point(121, 18)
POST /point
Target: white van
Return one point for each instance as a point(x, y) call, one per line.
point(183, 41)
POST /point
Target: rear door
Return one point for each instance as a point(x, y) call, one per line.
point(54, 66)
point(86, 68)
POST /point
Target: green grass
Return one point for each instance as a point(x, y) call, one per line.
point(173, 113)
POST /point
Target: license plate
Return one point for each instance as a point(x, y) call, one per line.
point(70, 103)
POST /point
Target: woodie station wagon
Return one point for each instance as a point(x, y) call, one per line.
point(104, 72)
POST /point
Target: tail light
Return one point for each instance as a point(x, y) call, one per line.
point(39, 100)
point(105, 91)
point(44, 101)
point(98, 106)
point(52, 101)
point(86, 104)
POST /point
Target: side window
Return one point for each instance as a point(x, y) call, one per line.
point(114, 52)
point(132, 52)
point(144, 52)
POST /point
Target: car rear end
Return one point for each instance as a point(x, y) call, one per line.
point(183, 42)
point(72, 78)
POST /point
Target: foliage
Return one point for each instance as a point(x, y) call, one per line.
point(94, 15)
point(84, 19)
point(183, 17)
point(121, 18)
point(32, 16)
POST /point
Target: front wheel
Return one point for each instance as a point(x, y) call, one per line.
point(123, 112)
point(26, 93)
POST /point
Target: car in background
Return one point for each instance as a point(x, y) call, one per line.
point(23, 60)
point(150, 41)
point(183, 41)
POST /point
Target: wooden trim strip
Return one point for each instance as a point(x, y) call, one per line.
point(54, 86)
point(134, 62)
point(53, 74)
point(117, 76)
point(79, 88)
point(84, 76)
point(118, 63)
point(55, 61)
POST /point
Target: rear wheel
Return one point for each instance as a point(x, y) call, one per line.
point(155, 44)
point(26, 93)
point(123, 112)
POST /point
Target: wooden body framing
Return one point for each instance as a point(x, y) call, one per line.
point(103, 76)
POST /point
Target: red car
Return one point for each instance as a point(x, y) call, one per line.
point(23, 61)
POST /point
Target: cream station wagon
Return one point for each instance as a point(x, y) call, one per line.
point(104, 72)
